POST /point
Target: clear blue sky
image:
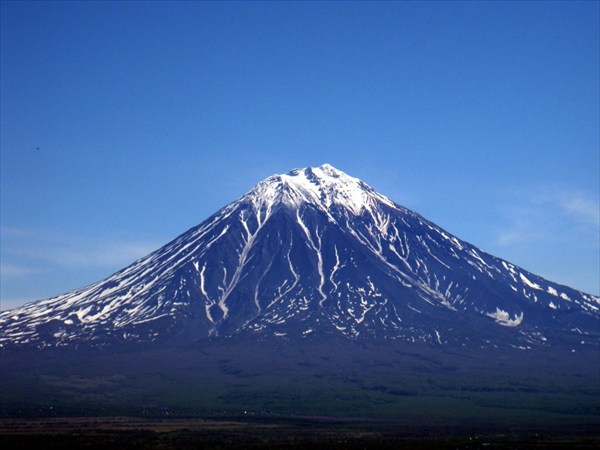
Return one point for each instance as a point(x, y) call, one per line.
point(125, 124)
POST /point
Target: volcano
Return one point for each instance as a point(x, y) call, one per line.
point(314, 252)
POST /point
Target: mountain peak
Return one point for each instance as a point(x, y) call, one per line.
point(328, 167)
point(322, 187)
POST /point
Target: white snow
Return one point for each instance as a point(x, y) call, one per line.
point(503, 318)
point(414, 309)
point(249, 238)
point(320, 186)
point(529, 283)
point(317, 249)
point(335, 268)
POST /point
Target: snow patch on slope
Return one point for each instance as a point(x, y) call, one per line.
point(503, 318)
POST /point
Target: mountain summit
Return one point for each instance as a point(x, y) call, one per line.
point(313, 252)
point(322, 187)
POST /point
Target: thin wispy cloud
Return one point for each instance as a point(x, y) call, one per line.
point(521, 230)
point(581, 206)
point(8, 271)
point(97, 254)
point(551, 215)
point(69, 251)
point(38, 263)
point(553, 231)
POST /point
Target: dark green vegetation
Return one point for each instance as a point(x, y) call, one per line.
point(294, 392)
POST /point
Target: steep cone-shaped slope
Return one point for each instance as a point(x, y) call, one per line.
point(314, 251)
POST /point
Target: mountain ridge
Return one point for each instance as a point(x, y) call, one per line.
point(310, 251)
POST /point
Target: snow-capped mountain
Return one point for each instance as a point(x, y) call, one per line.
point(314, 252)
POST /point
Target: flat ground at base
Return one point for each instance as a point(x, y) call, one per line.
point(274, 432)
point(283, 394)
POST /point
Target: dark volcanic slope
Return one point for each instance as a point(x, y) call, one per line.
point(314, 251)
